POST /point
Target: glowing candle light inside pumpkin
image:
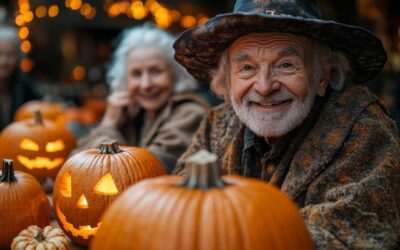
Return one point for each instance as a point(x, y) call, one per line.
point(106, 186)
point(28, 144)
point(55, 146)
point(82, 202)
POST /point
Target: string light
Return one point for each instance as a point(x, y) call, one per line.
point(53, 11)
point(135, 9)
point(79, 73)
point(41, 11)
point(23, 33)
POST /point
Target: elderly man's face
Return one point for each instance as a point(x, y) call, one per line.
point(272, 88)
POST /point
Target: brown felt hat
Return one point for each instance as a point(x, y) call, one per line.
point(199, 49)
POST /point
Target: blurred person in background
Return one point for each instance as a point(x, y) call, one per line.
point(16, 88)
point(152, 104)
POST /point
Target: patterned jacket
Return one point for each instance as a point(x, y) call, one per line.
point(343, 173)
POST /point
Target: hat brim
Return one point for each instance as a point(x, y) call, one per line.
point(199, 49)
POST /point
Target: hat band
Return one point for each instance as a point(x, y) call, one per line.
point(278, 9)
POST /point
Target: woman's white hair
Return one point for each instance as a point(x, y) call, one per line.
point(335, 62)
point(10, 33)
point(147, 35)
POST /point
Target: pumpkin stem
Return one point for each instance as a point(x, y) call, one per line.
point(40, 237)
point(38, 118)
point(203, 172)
point(109, 147)
point(8, 171)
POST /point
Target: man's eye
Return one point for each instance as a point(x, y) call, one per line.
point(246, 67)
point(286, 65)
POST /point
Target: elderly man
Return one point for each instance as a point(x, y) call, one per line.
point(296, 115)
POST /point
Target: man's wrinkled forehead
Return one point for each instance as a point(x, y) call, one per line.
point(283, 44)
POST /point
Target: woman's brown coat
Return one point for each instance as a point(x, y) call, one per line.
point(167, 137)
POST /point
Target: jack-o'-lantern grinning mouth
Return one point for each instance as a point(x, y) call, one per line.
point(40, 162)
point(84, 231)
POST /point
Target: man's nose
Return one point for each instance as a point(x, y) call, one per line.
point(266, 82)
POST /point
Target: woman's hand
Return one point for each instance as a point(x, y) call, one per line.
point(117, 102)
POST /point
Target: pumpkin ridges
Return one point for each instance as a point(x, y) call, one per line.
point(24, 199)
point(185, 221)
point(169, 202)
point(137, 158)
point(222, 208)
point(27, 195)
point(280, 214)
point(234, 196)
point(28, 239)
point(91, 163)
point(120, 221)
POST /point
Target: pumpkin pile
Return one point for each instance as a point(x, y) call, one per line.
point(202, 211)
point(23, 202)
point(37, 146)
point(90, 180)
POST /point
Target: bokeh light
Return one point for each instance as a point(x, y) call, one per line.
point(78, 73)
point(41, 11)
point(23, 33)
point(53, 11)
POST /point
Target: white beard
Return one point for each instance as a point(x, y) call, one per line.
point(276, 124)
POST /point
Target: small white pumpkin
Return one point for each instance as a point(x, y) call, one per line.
point(35, 237)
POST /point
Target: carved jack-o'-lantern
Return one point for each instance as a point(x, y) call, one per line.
point(37, 146)
point(90, 180)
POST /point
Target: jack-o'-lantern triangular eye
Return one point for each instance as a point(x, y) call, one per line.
point(65, 185)
point(106, 186)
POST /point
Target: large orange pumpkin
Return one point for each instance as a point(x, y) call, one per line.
point(90, 180)
point(202, 211)
point(37, 146)
point(23, 202)
point(49, 110)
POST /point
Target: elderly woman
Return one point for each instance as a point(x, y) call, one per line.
point(151, 105)
point(16, 88)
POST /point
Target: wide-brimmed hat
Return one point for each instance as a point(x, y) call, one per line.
point(199, 49)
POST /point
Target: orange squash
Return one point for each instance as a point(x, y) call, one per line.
point(202, 211)
point(90, 180)
point(50, 110)
point(37, 146)
point(23, 202)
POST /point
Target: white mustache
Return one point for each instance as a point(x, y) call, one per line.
point(274, 98)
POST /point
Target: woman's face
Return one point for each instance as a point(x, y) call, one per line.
point(150, 80)
point(8, 58)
